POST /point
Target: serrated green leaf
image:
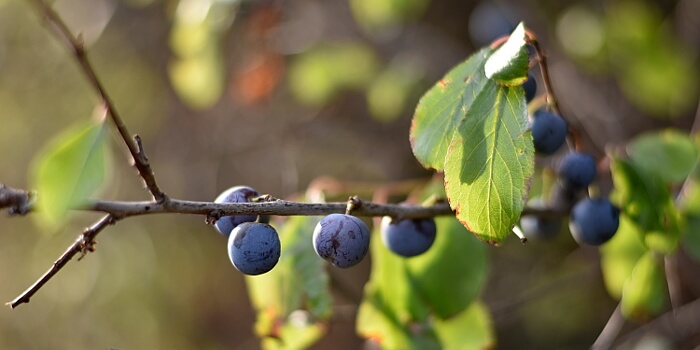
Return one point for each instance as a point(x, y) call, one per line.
point(508, 65)
point(471, 329)
point(670, 154)
point(490, 162)
point(645, 292)
point(298, 282)
point(644, 197)
point(449, 276)
point(442, 108)
point(619, 255)
point(69, 170)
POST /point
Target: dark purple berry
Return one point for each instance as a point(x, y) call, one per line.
point(254, 248)
point(237, 194)
point(577, 170)
point(341, 239)
point(530, 87)
point(548, 132)
point(594, 221)
point(409, 237)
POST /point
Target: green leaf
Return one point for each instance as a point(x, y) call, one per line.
point(644, 197)
point(404, 296)
point(490, 162)
point(620, 254)
point(299, 333)
point(390, 286)
point(670, 154)
point(443, 107)
point(471, 329)
point(645, 293)
point(508, 65)
point(298, 283)
point(69, 170)
point(450, 275)
point(377, 322)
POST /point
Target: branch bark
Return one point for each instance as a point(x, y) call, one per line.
point(134, 143)
point(18, 202)
point(83, 244)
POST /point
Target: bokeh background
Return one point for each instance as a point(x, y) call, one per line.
point(273, 94)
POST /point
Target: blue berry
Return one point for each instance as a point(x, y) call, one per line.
point(530, 87)
point(537, 227)
point(577, 170)
point(237, 194)
point(408, 237)
point(594, 221)
point(341, 239)
point(254, 248)
point(548, 132)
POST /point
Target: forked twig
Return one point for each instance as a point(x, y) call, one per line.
point(132, 143)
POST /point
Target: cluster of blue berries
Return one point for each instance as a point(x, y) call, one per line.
point(254, 246)
point(592, 221)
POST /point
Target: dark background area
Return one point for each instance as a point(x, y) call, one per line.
point(274, 94)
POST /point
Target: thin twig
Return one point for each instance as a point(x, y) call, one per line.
point(612, 329)
point(681, 323)
point(675, 292)
point(123, 209)
point(575, 129)
point(276, 207)
point(83, 244)
point(281, 208)
point(544, 70)
point(133, 144)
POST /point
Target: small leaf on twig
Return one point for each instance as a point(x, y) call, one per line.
point(69, 170)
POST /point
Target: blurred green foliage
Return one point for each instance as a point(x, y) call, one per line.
point(323, 72)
